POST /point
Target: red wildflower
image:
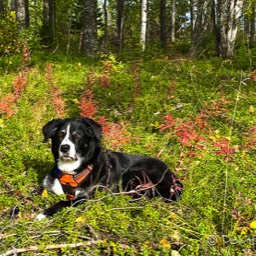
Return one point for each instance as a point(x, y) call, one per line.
point(48, 71)
point(104, 81)
point(115, 134)
point(57, 101)
point(171, 88)
point(90, 77)
point(186, 133)
point(223, 145)
point(169, 122)
point(225, 149)
point(25, 58)
point(103, 121)
point(20, 83)
point(136, 73)
point(56, 94)
point(87, 104)
point(215, 108)
point(6, 104)
point(250, 138)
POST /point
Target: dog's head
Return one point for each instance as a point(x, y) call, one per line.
point(74, 141)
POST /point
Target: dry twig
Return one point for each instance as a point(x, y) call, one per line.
point(50, 247)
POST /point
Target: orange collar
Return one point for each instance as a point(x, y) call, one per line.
point(70, 182)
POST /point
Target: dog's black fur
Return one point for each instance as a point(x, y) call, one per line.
point(76, 144)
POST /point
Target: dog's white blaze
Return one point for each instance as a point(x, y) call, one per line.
point(67, 141)
point(69, 166)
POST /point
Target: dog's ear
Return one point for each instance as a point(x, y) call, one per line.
point(50, 128)
point(96, 128)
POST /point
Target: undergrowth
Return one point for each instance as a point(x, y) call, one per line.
point(197, 116)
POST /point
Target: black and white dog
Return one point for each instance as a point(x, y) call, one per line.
point(82, 165)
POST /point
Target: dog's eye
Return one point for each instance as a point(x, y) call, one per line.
point(60, 135)
point(77, 135)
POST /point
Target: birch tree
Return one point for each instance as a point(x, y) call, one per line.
point(22, 14)
point(173, 20)
point(227, 16)
point(143, 29)
point(200, 21)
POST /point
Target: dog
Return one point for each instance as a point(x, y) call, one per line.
point(82, 166)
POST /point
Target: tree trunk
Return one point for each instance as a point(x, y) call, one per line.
point(173, 20)
point(20, 12)
point(143, 30)
point(27, 19)
point(105, 11)
point(227, 19)
point(252, 27)
point(192, 23)
point(2, 8)
point(48, 33)
point(69, 24)
point(246, 22)
point(89, 28)
point(215, 28)
point(46, 11)
point(200, 10)
point(120, 22)
point(52, 16)
point(235, 13)
point(163, 38)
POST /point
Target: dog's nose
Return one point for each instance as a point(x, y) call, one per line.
point(64, 148)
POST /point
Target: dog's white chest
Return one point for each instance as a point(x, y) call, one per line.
point(55, 187)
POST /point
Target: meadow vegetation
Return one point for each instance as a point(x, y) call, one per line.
point(199, 116)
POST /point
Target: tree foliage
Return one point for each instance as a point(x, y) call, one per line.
point(209, 27)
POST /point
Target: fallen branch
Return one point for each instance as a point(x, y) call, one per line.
point(50, 247)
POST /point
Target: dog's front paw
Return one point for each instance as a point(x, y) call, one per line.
point(53, 209)
point(41, 216)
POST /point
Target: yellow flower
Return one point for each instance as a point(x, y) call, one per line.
point(253, 225)
point(44, 193)
point(81, 219)
point(164, 243)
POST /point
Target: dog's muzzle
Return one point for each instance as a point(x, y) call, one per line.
point(64, 148)
point(66, 154)
point(66, 158)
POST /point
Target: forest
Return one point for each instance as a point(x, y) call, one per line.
point(170, 79)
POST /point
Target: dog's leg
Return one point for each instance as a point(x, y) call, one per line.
point(53, 209)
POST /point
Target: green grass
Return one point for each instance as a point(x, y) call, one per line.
point(210, 145)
